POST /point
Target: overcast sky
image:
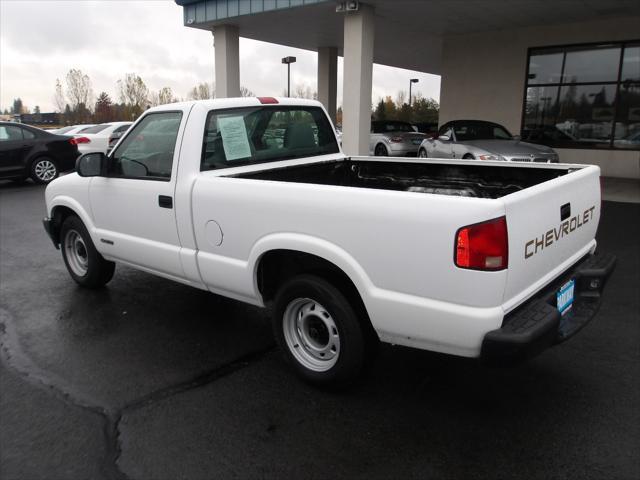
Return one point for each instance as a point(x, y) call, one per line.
point(41, 40)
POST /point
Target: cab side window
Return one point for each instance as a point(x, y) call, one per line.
point(27, 135)
point(10, 133)
point(147, 151)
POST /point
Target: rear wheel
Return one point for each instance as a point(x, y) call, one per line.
point(84, 263)
point(381, 151)
point(319, 331)
point(422, 153)
point(468, 156)
point(43, 170)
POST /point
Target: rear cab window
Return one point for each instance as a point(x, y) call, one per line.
point(245, 136)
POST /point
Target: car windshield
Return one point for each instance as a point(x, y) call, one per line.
point(97, 128)
point(480, 131)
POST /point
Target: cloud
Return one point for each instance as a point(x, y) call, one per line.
point(41, 40)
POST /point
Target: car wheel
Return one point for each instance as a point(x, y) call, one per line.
point(84, 263)
point(422, 153)
point(468, 156)
point(43, 170)
point(319, 331)
point(381, 151)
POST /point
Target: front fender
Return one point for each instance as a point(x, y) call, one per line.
point(63, 201)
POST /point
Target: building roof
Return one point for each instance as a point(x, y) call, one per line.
point(408, 33)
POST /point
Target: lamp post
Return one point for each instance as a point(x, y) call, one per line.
point(411, 82)
point(288, 61)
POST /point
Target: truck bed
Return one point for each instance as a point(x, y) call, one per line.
point(464, 180)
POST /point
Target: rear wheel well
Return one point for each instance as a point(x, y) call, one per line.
point(278, 266)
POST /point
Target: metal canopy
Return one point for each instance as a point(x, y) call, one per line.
point(409, 33)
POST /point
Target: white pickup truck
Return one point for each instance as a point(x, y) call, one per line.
point(253, 199)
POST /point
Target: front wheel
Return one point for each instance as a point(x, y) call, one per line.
point(43, 170)
point(85, 264)
point(319, 331)
point(422, 153)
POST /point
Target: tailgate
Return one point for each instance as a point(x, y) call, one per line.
point(550, 225)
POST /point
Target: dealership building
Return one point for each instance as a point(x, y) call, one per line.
point(562, 73)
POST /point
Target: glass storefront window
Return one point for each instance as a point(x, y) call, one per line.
point(545, 68)
point(631, 64)
point(583, 96)
point(627, 129)
point(599, 65)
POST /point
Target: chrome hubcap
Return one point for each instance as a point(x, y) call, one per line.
point(45, 170)
point(76, 253)
point(311, 334)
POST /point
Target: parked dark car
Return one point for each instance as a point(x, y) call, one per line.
point(30, 152)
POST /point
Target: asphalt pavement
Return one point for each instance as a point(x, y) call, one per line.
point(149, 379)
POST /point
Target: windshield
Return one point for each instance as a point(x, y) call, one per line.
point(480, 131)
point(244, 136)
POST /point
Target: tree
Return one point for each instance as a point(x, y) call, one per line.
point(390, 108)
point(245, 92)
point(58, 98)
point(202, 91)
point(17, 107)
point(67, 114)
point(79, 93)
point(165, 95)
point(134, 94)
point(302, 90)
point(161, 97)
point(103, 110)
point(36, 109)
point(381, 111)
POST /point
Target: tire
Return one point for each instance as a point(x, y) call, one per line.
point(43, 170)
point(422, 153)
point(84, 263)
point(468, 156)
point(381, 151)
point(319, 332)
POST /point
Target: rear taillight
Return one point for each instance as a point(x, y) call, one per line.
point(483, 246)
point(79, 140)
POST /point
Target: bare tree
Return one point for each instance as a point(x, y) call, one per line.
point(133, 93)
point(79, 91)
point(58, 98)
point(202, 91)
point(245, 92)
point(302, 90)
point(161, 97)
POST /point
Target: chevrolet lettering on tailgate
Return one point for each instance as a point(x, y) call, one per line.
point(553, 235)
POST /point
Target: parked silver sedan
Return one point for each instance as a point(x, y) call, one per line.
point(480, 140)
point(394, 138)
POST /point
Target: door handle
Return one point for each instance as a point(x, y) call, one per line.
point(164, 201)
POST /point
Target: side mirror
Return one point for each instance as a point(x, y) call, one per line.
point(444, 138)
point(92, 164)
